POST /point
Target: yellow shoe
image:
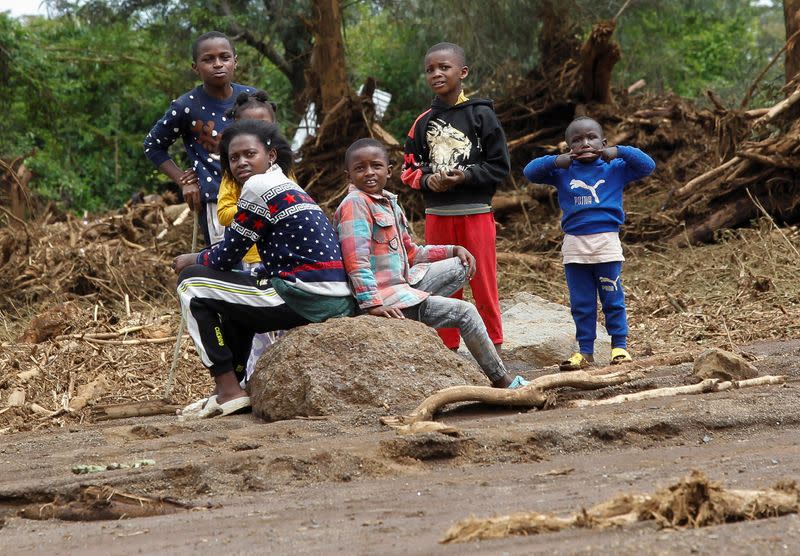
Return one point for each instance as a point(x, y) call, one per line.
point(576, 362)
point(620, 355)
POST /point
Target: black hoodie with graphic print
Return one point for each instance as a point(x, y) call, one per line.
point(465, 136)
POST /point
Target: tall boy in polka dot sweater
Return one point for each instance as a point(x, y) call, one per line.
point(197, 117)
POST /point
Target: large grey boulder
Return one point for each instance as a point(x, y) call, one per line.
point(541, 333)
point(351, 364)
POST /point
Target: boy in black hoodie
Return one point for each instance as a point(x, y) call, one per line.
point(456, 154)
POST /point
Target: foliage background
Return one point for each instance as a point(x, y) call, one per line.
point(81, 88)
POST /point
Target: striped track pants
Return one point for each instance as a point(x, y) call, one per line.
point(223, 310)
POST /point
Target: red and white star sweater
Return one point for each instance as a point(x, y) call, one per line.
point(294, 238)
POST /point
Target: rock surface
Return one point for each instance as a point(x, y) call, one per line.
point(718, 363)
point(351, 364)
point(541, 333)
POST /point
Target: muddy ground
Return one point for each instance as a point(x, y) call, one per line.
point(346, 484)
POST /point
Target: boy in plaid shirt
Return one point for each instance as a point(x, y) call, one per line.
point(393, 277)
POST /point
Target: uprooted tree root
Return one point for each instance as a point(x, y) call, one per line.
point(533, 395)
point(692, 502)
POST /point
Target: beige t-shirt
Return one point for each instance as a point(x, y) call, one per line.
point(604, 247)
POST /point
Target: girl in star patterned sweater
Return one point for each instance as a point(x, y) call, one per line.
point(302, 279)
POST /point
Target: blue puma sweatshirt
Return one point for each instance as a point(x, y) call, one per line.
point(590, 194)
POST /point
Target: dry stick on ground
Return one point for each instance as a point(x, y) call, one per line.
point(135, 342)
point(704, 387)
point(532, 395)
point(133, 409)
point(527, 258)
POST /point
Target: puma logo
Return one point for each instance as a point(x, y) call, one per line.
point(579, 184)
point(608, 284)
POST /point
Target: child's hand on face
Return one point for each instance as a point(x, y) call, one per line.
point(564, 160)
point(609, 154)
point(384, 311)
point(190, 187)
point(466, 259)
point(182, 261)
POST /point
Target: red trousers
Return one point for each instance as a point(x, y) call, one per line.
point(475, 232)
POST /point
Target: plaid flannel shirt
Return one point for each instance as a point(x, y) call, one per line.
point(380, 257)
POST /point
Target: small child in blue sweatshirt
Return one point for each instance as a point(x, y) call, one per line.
point(590, 179)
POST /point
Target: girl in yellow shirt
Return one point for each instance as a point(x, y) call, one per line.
point(248, 106)
point(254, 105)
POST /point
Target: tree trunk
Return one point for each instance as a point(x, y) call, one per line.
point(791, 16)
point(327, 77)
point(598, 56)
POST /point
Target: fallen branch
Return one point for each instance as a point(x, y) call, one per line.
point(704, 387)
point(752, 88)
point(706, 177)
point(532, 395)
point(779, 108)
point(101, 335)
point(660, 360)
point(503, 203)
point(514, 143)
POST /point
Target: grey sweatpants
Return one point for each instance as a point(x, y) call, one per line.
point(440, 311)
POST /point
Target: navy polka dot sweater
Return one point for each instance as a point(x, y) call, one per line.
point(199, 120)
point(295, 239)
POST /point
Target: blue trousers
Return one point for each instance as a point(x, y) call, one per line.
point(586, 282)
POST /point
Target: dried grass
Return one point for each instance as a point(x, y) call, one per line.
point(694, 501)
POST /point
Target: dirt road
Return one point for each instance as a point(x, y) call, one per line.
point(349, 485)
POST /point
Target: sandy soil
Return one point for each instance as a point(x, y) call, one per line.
point(349, 485)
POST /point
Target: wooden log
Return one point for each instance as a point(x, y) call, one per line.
point(728, 215)
point(705, 178)
point(142, 408)
point(525, 139)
